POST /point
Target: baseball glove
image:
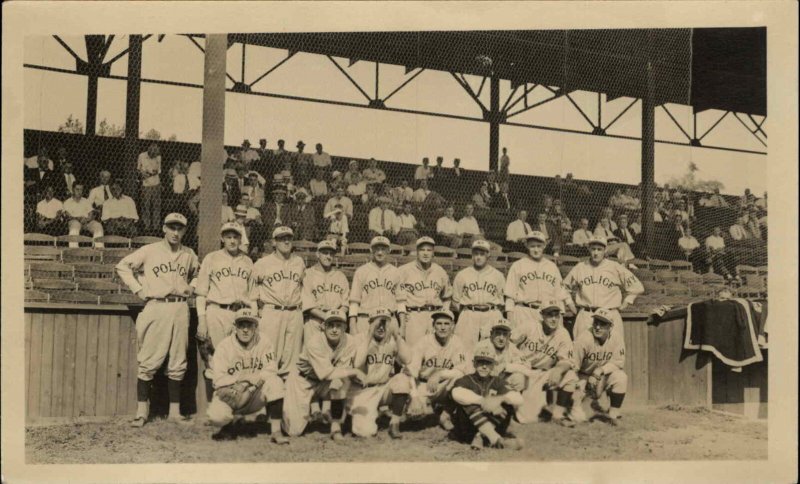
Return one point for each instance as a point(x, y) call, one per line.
point(594, 387)
point(419, 404)
point(238, 395)
point(206, 349)
point(494, 405)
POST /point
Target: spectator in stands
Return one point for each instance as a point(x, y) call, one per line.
point(550, 231)
point(615, 246)
point(569, 183)
point(679, 210)
point(318, 186)
point(193, 175)
point(264, 164)
point(275, 213)
point(761, 203)
point(546, 205)
point(617, 200)
point(624, 234)
point(582, 235)
point(253, 188)
point(101, 192)
point(303, 163)
point(280, 154)
point(50, 213)
point(689, 245)
point(402, 193)
point(517, 232)
point(608, 214)
point(39, 178)
point(636, 224)
point(340, 199)
point(503, 169)
point(421, 193)
point(423, 172)
point(60, 159)
point(357, 188)
point(482, 199)
point(407, 233)
point(447, 229)
point(752, 225)
point(337, 180)
point(370, 197)
point(382, 220)
point(353, 171)
point(716, 200)
point(716, 255)
point(247, 155)
point(33, 162)
point(80, 215)
point(468, 227)
point(458, 172)
point(493, 185)
point(64, 179)
point(320, 158)
point(373, 175)
point(739, 231)
point(230, 184)
point(180, 186)
point(559, 220)
point(149, 167)
point(302, 218)
point(226, 212)
point(338, 228)
point(119, 213)
point(631, 199)
point(502, 200)
point(747, 199)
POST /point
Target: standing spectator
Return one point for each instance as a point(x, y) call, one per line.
point(230, 185)
point(503, 170)
point(421, 193)
point(357, 187)
point(617, 200)
point(180, 186)
point(716, 200)
point(437, 173)
point(101, 192)
point(482, 199)
point(64, 179)
point(468, 227)
point(447, 229)
point(119, 213)
point(747, 199)
point(382, 220)
point(302, 166)
point(517, 232)
point(193, 175)
point(280, 154)
point(50, 213)
point(624, 234)
point(493, 185)
point(716, 255)
point(738, 230)
point(318, 186)
point(423, 172)
point(551, 232)
point(761, 203)
point(81, 216)
point(582, 235)
point(302, 218)
point(262, 164)
point(353, 171)
point(458, 172)
point(253, 187)
point(501, 200)
point(558, 219)
point(39, 178)
point(752, 225)
point(340, 199)
point(320, 158)
point(33, 162)
point(275, 213)
point(60, 159)
point(373, 175)
point(689, 245)
point(407, 223)
point(149, 167)
point(247, 155)
point(402, 193)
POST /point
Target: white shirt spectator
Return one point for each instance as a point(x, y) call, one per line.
point(402, 194)
point(636, 228)
point(517, 231)
point(339, 226)
point(738, 232)
point(319, 188)
point(346, 203)
point(193, 175)
point(657, 217)
point(123, 206)
point(79, 209)
point(248, 156)
point(321, 160)
point(99, 194)
point(420, 195)
point(383, 221)
point(33, 162)
point(69, 179)
point(227, 214)
point(49, 209)
point(447, 225)
point(357, 189)
point(256, 195)
point(373, 175)
point(581, 237)
point(688, 243)
point(422, 172)
point(468, 225)
point(179, 182)
point(145, 163)
point(249, 212)
point(407, 221)
point(715, 242)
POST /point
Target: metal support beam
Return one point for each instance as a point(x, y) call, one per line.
point(495, 118)
point(751, 131)
point(620, 114)
point(68, 49)
point(463, 83)
point(648, 162)
point(132, 106)
point(524, 97)
point(675, 121)
point(269, 71)
point(352, 81)
point(93, 66)
point(534, 105)
point(585, 116)
point(401, 86)
point(213, 140)
point(758, 125)
point(714, 125)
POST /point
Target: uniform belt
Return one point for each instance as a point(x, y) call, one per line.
point(594, 308)
point(169, 299)
point(282, 308)
point(230, 307)
point(480, 307)
point(532, 305)
point(429, 307)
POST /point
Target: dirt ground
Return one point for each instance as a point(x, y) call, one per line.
point(664, 433)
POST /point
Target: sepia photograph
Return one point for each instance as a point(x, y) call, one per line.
point(442, 244)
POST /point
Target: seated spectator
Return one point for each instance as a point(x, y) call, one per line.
point(739, 231)
point(716, 255)
point(353, 170)
point(302, 218)
point(253, 188)
point(680, 210)
point(382, 220)
point(752, 224)
point(407, 232)
point(321, 159)
point(339, 198)
point(423, 172)
point(338, 228)
point(501, 200)
point(193, 175)
point(551, 232)
point(337, 180)
point(636, 224)
point(50, 213)
point(247, 155)
point(370, 197)
point(286, 173)
point(608, 214)
point(631, 200)
point(582, 235)
point(559, 220)
point(482, 199)
point(246, 214)
point(230, 185)
point(41, 159)
point(689, 245)
point(318, 186)
point(275, 213)
point(517, 232)
point(119, 213)
point(402, 193)
point(102, 192)
point(227, 210)
point(80, 215)
point(715, 200)
point(493, 185)
point(624, 234)
point(468, 227)
point(447, 229)
point(747, 199)
point(615, 246)
point(617, 200)
point(373, 175)
point(421, 193)
point(357, 188)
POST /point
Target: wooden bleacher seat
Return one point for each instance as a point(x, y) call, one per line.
point(51, 270)
point(750, 291)
point(81, 254)
point(352, 261)
point(441, 251)
point(75, 297)
point(81, 240)
point(744, 270)
point(701, 290)
point(120, 298)
point(94, 271)
point(114, 255)
point(688, 277)
point(680, 265)
point(113, 241)
point(515, 256)
point(52, 286)
point(410, 248)
point(36, 239)
point(358, 248)
point(677, 290)
point(656, 265)
point(640, 263)
point(653, 287)
point(404, 259)
point(568, 260)
point(143, 240)
point(304, 246)
point(459, 264)
point(98, 286)
point(763, 270)
point(713, 279)
point(310, 258)
point(396, 249)
point(666, 276)
point(33, 295)
point(445, 262)
point(42, 253)
point(644, 274)
point(464, 253)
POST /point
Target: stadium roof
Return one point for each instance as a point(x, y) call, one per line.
point(721, 69)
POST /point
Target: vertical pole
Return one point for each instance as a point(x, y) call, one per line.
point(132, 106)
point(213, 142)
point(377, 78)
point(648, 162)
point(91, 102)
point(494, 122)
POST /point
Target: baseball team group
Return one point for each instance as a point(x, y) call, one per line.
point(304, 346)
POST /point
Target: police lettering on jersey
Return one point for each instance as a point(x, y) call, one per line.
point(252, 363)
point(469, 290)
point(280, 276)
point(326, 288)
point(168, 267)
point(374, 284)
point(538, 276)
point(228, 272)
point(443, 363)
point(419, 286)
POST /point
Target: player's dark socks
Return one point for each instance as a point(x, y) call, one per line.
point(142, 390)
point(564, 399)
point(616, 399)
point(174, 390)
point(275, 409)
point(399, 401)
point(551, 397)
point(337, 409)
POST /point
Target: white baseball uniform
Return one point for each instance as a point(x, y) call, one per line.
point(528, 285)
point(420, 293)
point(429, 357)
point(324, 291)
point(223, 287)
point(589, 355)
point(479, 295)
point(373, 288)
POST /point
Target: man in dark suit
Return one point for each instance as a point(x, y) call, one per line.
point(302, 218)
point(625, 234)
point(553, 233)
point(275, 212)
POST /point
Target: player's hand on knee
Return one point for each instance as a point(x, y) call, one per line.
point(359, 376)
point(202, 328)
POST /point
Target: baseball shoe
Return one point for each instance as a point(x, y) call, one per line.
point(180, 420)
point(597, 407)
point(565, 422)
point(226, 432)
point(279, 438)
point(477, 442)
point(315, 417)
point(337, 436)
point(326, 418)
point(138, 422)
point(394, 431)
point(445, 421)
point(546, 414)
point(606, 418)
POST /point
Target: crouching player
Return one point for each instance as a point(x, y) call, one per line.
point(548, 355)
point(485, 405)
point(508, 362)
point(245, 377)
point(600, 360)
point(323, 371)
point(376, 352)
point(439, 359)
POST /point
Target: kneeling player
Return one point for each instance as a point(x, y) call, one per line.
point(600, 360)
point(439, 359)
point(547, 351)
point(323, 372)
point(508, 362)
point(245, 377)
point(376, 351)
point(485, 405)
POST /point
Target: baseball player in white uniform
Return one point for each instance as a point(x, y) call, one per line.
point(477, 295)
point(508, 362)
point(223, 286)
point(247, 356)
point(375, 286)
point(277, 287)
point(424, 288)
point(600, 360)
point(530, 282)
point(601, 283)
point(547, 354)
point(323, 371)
point(376, 353)
point(162, 274)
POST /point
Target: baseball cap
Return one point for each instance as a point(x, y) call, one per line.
point(502, 323)
point(549, 306)
point(230, 173)
point(336, 173)
point(603, 315)
point(481, 244)
point(536, 235)
point(175, 218)
point(335, 315)
point(281, 231)
point(379, 314)
point(231, 227)
point(483, 353)
point(326, 244)
point(597, 240)
point(380, 240)
point(300, 192)
point(425, 240)
point(246, 314)
point(442, 313)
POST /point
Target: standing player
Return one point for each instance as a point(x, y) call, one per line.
point(244, 363)
point(161, 273)
point(277, 287)
point(424, 288)
point(546, 349)
point(223, 286)
point(508, 362)
point(477, 295)
point(376, 352)
point(601, 283)
point(323, 371)
point(374, 286)
point(439, 359)
point(530, 282)
point(600, 360)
